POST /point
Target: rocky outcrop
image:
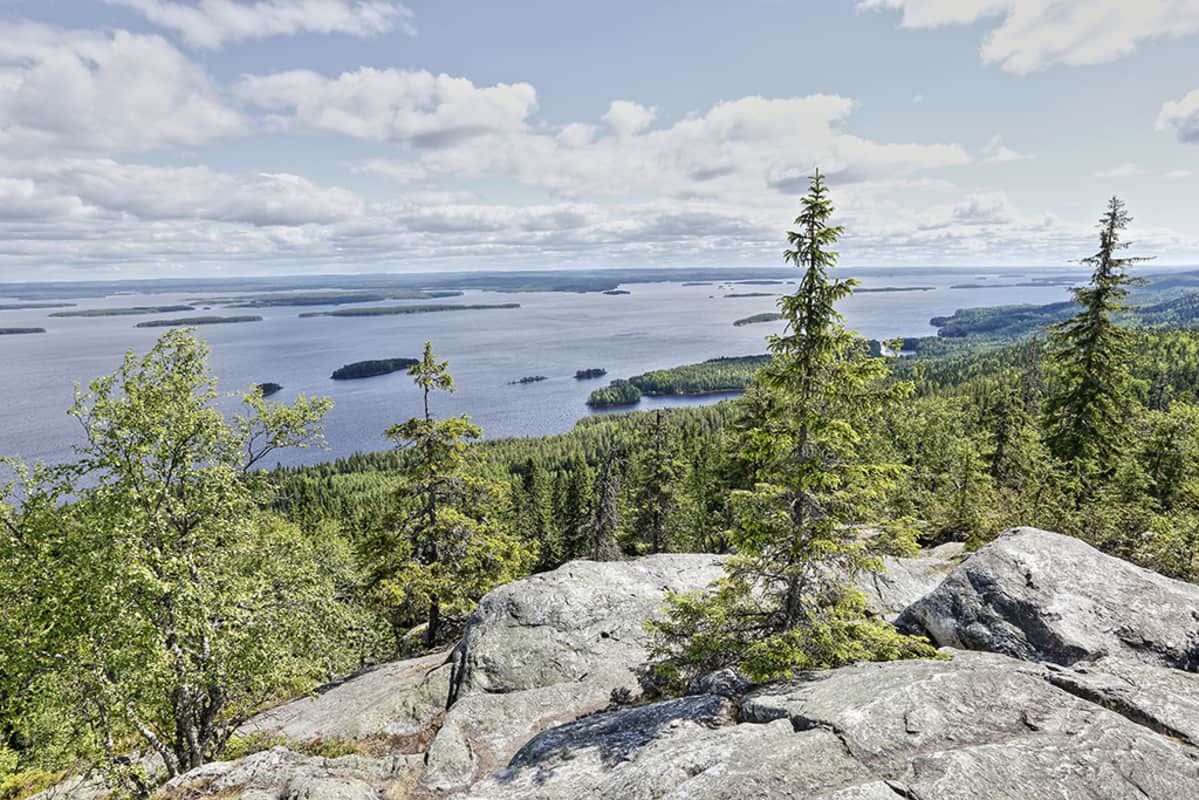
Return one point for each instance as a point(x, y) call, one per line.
point(1041, 596)
point(279, 774)
point(1085, 693)
point(976, 726)
point(400, 699)
point(581, 622)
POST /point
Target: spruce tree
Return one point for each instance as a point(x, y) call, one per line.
point(1084, 416)
point(786, 602)
point(444, 547)
point(606, 522)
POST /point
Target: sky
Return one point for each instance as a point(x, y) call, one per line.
point(181, 138)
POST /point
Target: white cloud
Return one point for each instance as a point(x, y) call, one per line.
point(73, 91)
point(105, 188)
point(737, 151)
point(1177, 174)
point(1183, 116)
point(998, 152)
point(625, 118)
point(213, 23)
point(412, 107)
point(1125, 170)
point(1028, 35)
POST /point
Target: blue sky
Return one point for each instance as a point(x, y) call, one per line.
point(198, 137)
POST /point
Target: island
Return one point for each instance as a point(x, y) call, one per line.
point(895, 289)
point(17, 331)
point(750, 294)
point(122, 312)
point(382, 311)
point(370, 369)
point(325, 298)
point(529, 379)
point(23, 306)
point(588, 374)
point(189, 321)
point(268, 389)
point(618, 393)
point(617, 291)
point(725, 375)
point(759, 283)
point(697, 283)
point(769, 316)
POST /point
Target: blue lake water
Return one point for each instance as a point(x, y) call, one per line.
point(554, 334)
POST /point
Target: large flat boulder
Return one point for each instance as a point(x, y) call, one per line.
point(582, 621)
point(397, 699)
point(979, 726)
point(280, 774)
point(1041, 596)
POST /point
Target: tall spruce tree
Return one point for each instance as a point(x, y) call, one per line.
point(800, 538)
point(606, 522)
point(1089, 355)
point(444, 548)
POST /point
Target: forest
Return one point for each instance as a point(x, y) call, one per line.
point(165, 585)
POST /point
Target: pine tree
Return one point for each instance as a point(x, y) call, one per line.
point(1089, 362)
point(786, 602)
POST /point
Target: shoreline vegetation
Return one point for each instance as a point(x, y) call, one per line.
point(327, 298)
point(18, 331)
point(371, 368)
point(189, 321)
point(724, 375)
point(32, 306)
point(130, 311)
point(383, 311)
point(769, 316)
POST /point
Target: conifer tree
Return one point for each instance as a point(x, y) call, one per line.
point(786, 602)
point(658, 474)
point(606, 522)
point(1089, 361)
point(444, 548)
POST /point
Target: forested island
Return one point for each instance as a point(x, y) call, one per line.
point(886, 289)
point(616, 291)
point(122, 312)
point(768, 316)
point(728, 374)
point(750, 294)
point(18, 331)
point(24, 306)
point(327, 298)
point(588, 374)
point(268, 389)
point(382, 311)
point(189, 321)
point(529, 379)
point(369, 369)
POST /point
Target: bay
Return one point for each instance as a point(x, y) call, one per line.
point(655, 325)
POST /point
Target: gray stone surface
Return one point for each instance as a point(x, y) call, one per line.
point(400, 698)
point(903, 581)
point(980, 726)
point(582, 621)
point(1165, 700)
point(281, 774)
point(1041, 596)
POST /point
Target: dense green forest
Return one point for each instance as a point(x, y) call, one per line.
point(371, 368)
point(722, 375)
point(384, 311)
point(163, 586)
point(190, 321)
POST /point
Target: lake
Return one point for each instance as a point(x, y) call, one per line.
point(655, 325)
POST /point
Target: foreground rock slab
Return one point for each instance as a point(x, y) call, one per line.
point(1041, 596)
point(978, 726)
point(398, 699)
